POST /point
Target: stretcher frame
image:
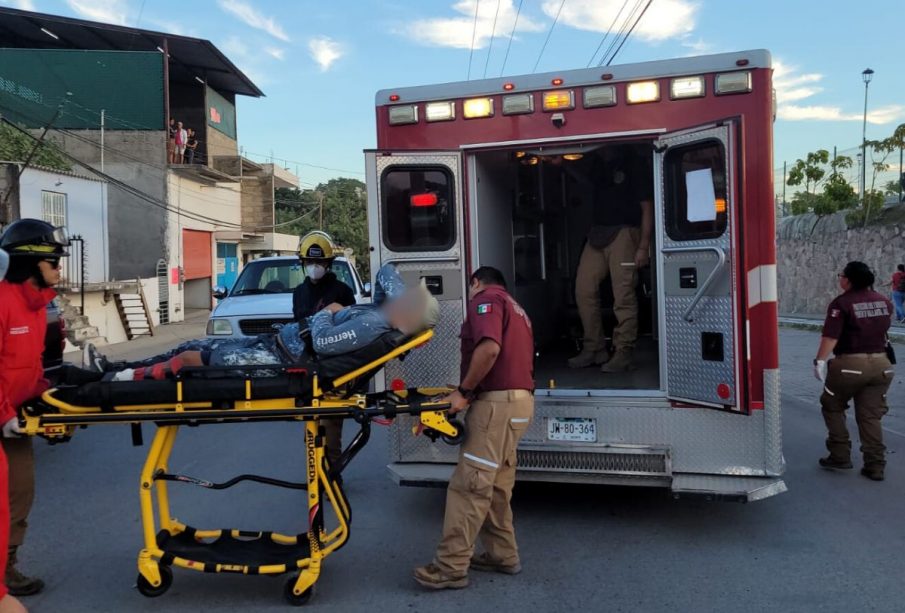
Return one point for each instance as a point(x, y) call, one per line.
point(56, 420)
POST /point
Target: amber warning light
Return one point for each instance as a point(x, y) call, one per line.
point(424, 200)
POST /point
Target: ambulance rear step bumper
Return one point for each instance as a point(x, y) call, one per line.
point(707, 487)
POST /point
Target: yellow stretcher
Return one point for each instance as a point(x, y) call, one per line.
point(167, 542)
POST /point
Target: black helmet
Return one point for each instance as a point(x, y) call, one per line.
point(34, 238)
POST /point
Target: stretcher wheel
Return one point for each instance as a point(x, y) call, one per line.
point(458, 437)
point(297, 600)
point(166, 580)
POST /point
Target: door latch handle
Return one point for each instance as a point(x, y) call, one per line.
point(705, 286)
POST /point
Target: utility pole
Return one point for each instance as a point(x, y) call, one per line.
point(784, 175)
point(866, 76)
point(102, 139)
point(320, 204)
point(901, 175)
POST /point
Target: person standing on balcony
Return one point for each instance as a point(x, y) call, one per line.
point(171, 141)
point(190, 146)
point(182, 138)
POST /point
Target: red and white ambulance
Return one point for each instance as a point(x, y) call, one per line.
point(481, 173)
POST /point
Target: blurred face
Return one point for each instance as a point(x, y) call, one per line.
point(50, 271)
point(475, 288)
point(406, 313)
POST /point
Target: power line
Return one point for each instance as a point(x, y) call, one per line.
point(492, 34)
point(474, 30)
point(511, 35)
point(620, 33)
point(550, 33)
point(637, 21)
point(606, 34)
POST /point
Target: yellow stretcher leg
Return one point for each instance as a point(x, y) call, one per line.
point(161, 446)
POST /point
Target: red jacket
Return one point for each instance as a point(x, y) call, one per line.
point(23, 325)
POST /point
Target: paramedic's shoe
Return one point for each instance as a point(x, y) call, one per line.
point(484, 563)
point(92, 359)
point(621, 362)
point(874, 473)
point(831, 462)
point(589, 358)
point(18, 584)
point(433, 578)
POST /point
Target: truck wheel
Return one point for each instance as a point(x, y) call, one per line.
point(166, 580)
point(458, 437)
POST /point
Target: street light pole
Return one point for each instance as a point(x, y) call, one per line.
point(867, 74)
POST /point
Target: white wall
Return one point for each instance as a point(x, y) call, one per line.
point(86, 205)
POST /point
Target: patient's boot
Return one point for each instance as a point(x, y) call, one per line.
point(93, 360)
point(17, 583)
point(589, 358)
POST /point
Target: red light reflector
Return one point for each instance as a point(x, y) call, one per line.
point(556, 82)
point(607, 76)
point(394, 97)
point(397, 385)
point(723, 391)
point(741, 62)
point(428, 199)
point(508, 86)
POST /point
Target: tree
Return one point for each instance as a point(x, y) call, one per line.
point(880, 150)
point(16, 147)
point(836, 194)
point(345, 216)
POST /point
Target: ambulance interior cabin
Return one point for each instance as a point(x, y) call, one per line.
point(533, 210)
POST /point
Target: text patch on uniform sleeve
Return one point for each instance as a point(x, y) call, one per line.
point(485, 309)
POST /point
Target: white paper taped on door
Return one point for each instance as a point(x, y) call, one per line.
point(701, 195)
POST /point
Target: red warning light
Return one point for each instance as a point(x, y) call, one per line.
point(741, 62)
point(394, 97)
point(607, 76)
point(723, 391)
point(428, 199)
point(556, 82)
point(508, 86)
point(397, 385)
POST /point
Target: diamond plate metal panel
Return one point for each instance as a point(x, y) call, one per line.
point(773, 456)
point(688, 375)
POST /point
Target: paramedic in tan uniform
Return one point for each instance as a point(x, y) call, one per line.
point(857, 322)
point(618, 246)
point(498, 384)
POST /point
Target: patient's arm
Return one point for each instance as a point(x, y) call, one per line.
point(389, 284)
point(332, 338)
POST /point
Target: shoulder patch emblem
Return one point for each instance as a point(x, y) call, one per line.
point(834, 313)
point(485, 309)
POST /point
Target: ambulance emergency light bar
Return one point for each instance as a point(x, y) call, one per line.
point(593, 96)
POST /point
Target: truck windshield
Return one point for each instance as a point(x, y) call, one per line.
point(269, 277)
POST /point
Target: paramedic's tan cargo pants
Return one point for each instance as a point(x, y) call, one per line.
point(866, 379)
point(21, 459)
point(617, 261)
point(477, 500)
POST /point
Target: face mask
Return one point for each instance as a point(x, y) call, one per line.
point(315, 272)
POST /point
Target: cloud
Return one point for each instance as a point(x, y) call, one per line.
point(666, 18)
point(457, 32)
point(275, 52)
point(794, 86)
point(325, 51)
point(246, 13)
point(698, 46)
point(106, 11)
point(24, 5)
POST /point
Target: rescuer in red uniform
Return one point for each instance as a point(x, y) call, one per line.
point(35, 248)
point(498, 384)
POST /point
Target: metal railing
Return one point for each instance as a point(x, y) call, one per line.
point(73, 273)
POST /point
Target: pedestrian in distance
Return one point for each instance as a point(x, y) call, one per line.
point(171, 141)
point(190, 146)
point(898, 292)
point(182, 138)
point(855, 331)
point(497, 388)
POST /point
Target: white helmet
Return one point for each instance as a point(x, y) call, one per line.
point(4, 264)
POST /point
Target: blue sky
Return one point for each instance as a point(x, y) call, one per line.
point(320, 63)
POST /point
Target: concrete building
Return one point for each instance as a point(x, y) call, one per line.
point(104, 93)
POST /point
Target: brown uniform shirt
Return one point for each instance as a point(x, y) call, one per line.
point(859, 320)
point(494, 314)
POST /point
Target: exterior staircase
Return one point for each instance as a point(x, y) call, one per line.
point(133, 311)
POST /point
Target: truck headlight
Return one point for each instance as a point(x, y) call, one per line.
point(219, 327)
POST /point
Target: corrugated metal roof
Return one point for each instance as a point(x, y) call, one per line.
point(54, 171)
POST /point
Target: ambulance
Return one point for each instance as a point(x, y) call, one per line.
point(501, 172)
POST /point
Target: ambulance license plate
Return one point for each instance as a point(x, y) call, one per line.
point(577, 429)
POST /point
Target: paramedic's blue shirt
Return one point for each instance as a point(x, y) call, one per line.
point(356, 326)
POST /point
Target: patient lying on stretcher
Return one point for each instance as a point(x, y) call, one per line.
point(333, 331)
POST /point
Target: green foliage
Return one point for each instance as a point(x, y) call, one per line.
point(345, 215)
point(818, 171)
point(16, 147)
point(891, 188)
point(810, 170)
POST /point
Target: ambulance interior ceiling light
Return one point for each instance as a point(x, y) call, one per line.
point(642, 91)
point(403, 114)
point(573, 157)
point(440, 111)
point(686, 87)
point(559, 100)
point(475, 108)
point(530, 161)
point(733, 82)
point(602, 95)
point(519, 154)
point(518, 104)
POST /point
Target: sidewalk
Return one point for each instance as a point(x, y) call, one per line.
point(806, 321)
point(165, 337)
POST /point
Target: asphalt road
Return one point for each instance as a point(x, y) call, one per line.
point(834, 542)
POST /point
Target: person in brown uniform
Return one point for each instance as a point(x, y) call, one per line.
point(497, 387)
point(857, 322)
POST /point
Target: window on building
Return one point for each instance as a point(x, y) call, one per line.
point(418, 208)
point(696, 191)
point(53, 208)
